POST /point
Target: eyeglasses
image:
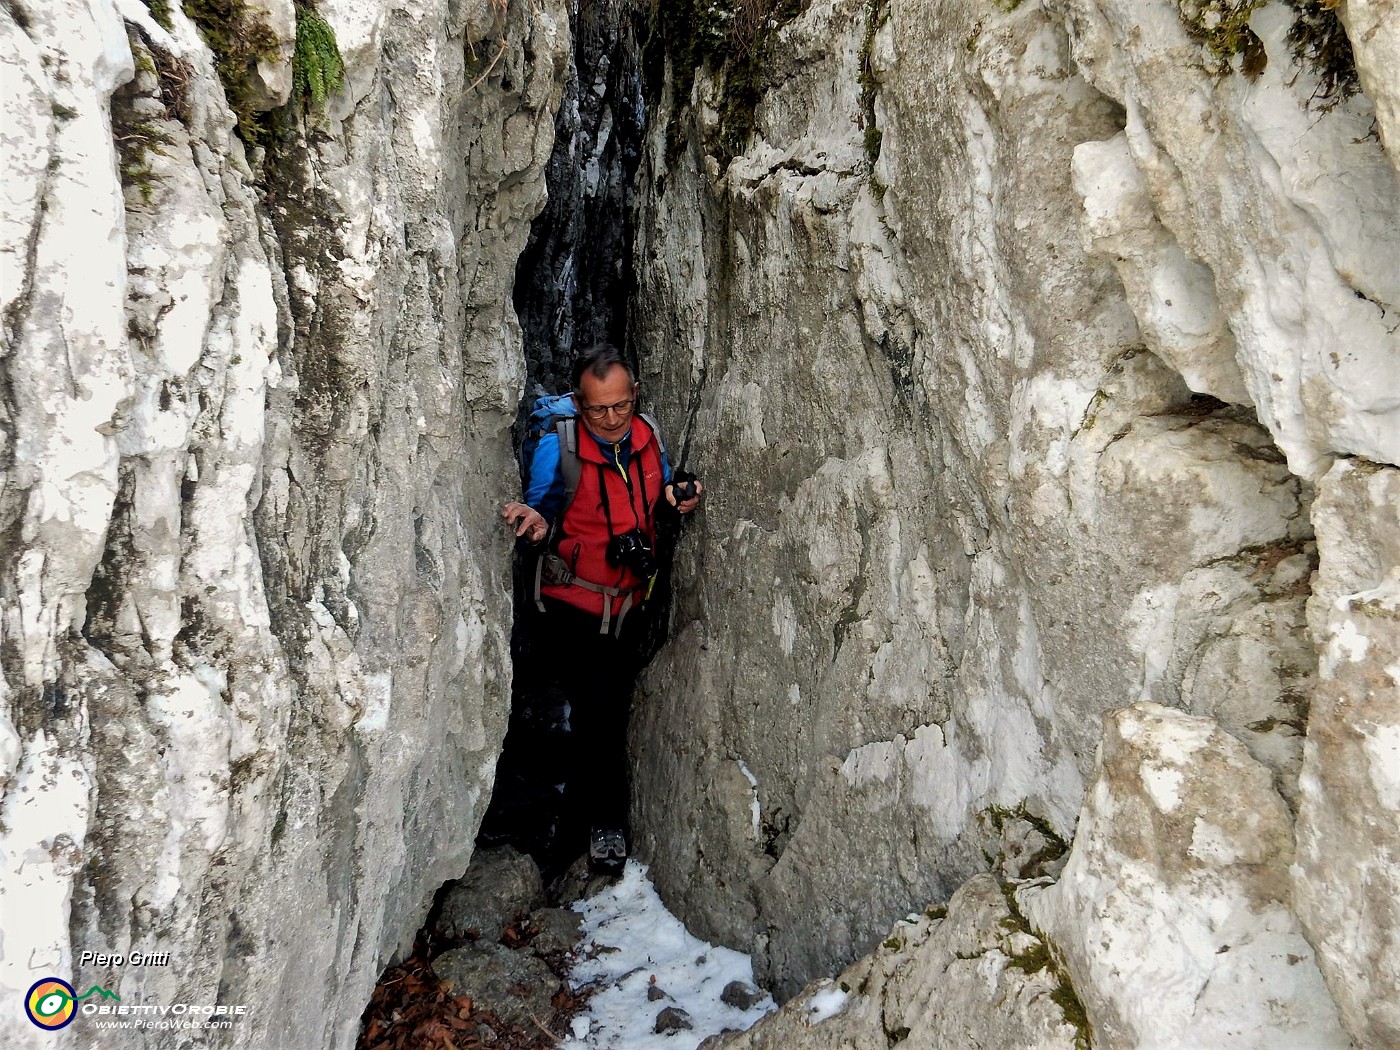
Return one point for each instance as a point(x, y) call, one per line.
point(622, 408)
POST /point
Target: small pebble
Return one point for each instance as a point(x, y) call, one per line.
point(740, 995)
point(673, 1019)
point(654, 993)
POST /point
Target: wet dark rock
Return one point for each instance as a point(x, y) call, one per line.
point(515, 986)
point(740, 995)
point(575, 275)
point(673, 1019)
point(499, 883)
point(655, 994)
point(577, 883)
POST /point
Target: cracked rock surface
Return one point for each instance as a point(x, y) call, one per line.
point(1041, 367)
point(1017, 346)
point(254, 407)
point(971, 977)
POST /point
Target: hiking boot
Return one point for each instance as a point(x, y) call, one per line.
point(607, 852)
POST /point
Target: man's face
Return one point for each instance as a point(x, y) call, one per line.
point(616, 393)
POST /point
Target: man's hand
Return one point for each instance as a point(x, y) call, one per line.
point(526, 521)
point(686, 506)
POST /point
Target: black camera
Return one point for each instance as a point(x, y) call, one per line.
point(631, 550)
point(683, 485)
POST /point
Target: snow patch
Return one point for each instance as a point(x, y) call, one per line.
point(631, 944)
point(826, 1004)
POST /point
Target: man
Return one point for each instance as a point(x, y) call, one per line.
point(596, 568)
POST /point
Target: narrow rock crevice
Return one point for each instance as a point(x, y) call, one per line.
point(573, 289)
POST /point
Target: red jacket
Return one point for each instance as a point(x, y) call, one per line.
point(632, 496)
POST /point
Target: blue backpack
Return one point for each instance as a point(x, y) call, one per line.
point(558, 414)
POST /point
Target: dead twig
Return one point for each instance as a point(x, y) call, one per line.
point(543, 1028)
point(487, 71)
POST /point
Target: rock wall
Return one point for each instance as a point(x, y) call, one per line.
point(254, 668)
point(1020, 344)
point(574, 280)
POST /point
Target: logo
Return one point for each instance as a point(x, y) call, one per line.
point(51, 1003)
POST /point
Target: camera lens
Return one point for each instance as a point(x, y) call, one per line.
point(631, 550)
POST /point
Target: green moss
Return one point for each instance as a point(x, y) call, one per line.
point(1222, 27)
point(135, 144)
point(936, 911)
point(731, 40)
point(1033, 959)
point(1067, 999)
point(137, 138)
point(876, 15)
point(1041, 956)
point(239, 41)
point(160, 11)
point(1055, 847)
point(894, 944)
point(1376, 608)
point(1316, 40)
point(318, 71)
point(1091, 414)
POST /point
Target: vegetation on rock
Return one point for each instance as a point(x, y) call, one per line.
point(317, 68)
point(142, 128)
point(239, 40)
point(730, 39)
point(160, 11)
point(1040, 955)
point(877, 13)
point(1222, 27)
point(1317, 41)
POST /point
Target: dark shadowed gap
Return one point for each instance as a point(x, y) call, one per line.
point(573, 285)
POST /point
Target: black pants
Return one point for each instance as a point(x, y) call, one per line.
point(595, 673)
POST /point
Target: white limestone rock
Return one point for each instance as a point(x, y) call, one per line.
point(959, 512)
point(1374, 32)
point(255, 664)
point(1173, 915)
point(968, 975)
point(1295, 213)
point(271, 77)
point(1347, 878)
point(1173, 296)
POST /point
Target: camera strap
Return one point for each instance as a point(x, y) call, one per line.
point(603, 496)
